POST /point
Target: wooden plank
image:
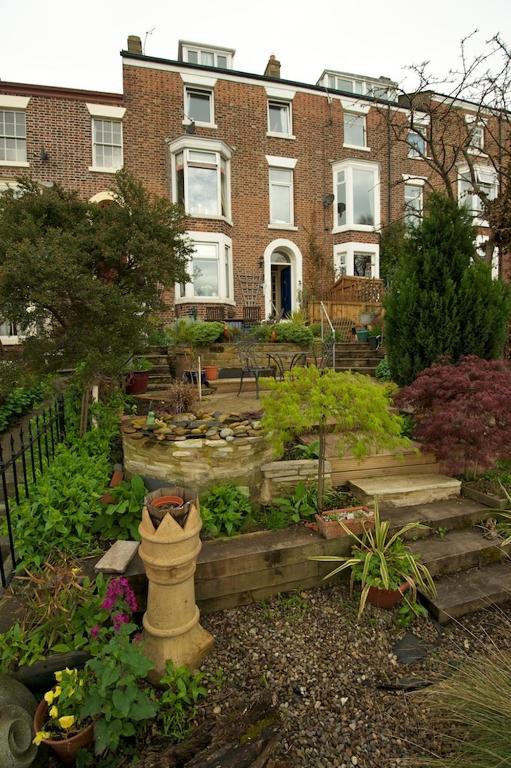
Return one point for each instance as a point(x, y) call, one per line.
point(257, 595)
point(376, 462)
point(340, 478)
point(118, 557)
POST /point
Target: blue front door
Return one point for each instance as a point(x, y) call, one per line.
point(285, 290)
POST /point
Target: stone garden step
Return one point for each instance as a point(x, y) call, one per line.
point(449, 515)
point(469, 591)
point(457, 550)
point(368, 370)
point(405, 490)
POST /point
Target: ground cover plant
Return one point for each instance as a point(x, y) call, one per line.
point(224, 510)
point(462, 413)
point(20, 401)
point(120, 518)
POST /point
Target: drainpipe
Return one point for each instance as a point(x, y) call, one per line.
point(389, 166)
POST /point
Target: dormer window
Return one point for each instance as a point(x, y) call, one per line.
point(206, 55)
point(380, 88)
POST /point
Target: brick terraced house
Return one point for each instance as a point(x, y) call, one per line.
point(285, 185)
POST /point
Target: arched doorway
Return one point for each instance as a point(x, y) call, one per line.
point(282, 278)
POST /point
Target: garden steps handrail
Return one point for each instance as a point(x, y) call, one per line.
point(324, 314)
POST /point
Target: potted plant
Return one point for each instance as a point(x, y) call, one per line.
point(138, 377)
point(363, 334)
point(56, 720)
point(383, 565)
point(333, 523)
point(211, 372)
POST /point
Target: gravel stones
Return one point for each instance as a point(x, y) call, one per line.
point(324, 668)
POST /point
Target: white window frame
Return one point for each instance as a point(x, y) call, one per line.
point(479, 124)
point(463, 170)
point(196, 143)
point(363, 115)
point(418, 183)
point(480, 241)
point(282, 163)
point(276, 134)
point(204, 89)
point(16, 104)
point(348, 166)
point(199, 49)
point(102, 168)
point(225, 290)
point(347, 251)
point(422, 131)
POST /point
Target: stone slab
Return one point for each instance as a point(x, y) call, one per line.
point(405, 490)
point(118, 557)
point(457, 550)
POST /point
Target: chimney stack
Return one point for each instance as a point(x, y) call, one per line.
point(134, 44)
point(272, 68)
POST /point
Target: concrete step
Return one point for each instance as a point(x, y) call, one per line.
point(457, 551)
point(356, 362)
point(451, 515)
point(368, 370)
point(468, 591)
point(405, 490)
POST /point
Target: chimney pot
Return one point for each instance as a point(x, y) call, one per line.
point(134, 44)
point(273, 67)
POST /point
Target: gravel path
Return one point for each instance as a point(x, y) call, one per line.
point(324, 669)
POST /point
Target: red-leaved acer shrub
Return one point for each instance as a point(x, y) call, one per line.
point(462, 412)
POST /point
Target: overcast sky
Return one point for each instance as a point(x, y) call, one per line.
point(77, 44)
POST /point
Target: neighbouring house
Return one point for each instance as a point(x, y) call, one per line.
point(285, 185)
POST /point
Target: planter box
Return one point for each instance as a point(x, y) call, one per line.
point(484, 498)
point(330, 528)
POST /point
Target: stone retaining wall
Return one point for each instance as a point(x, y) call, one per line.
point(199, 450)
point(282, 477)
point(226, 355)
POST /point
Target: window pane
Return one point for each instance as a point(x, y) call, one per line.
point(416, 143)
point(413, 204)
point(205, 271)
point(354, 129)
point(280, 204)
point(341, 198)
point(180, 183)
point(340, 265)
point(281, 175)
point(204, 158)
point(279, 117)
point(202, 191)
point(227, 265)
point(331, 81)
point(344, 85)
point(358, 86)
point(206, 58)
point(221, 61)
point(116, 157)
point(362, 265)
point(193, 57)
point(363, 197)
point(98, 156)
point(199, 106)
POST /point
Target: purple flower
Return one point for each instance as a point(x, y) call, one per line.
point(119, 619)
point(138, 637)
point(95, 630)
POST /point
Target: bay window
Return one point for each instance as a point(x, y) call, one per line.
point(201, 171)
point(486, 180)
point(209, 270)
point(357, 195)
point(356, 260)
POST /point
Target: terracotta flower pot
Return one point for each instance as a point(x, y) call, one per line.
point(65, 749)
point(387, 598)
point(137, 383)
point(211, 372)
point(330, 528)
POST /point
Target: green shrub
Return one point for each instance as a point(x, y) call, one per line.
point(443, 302)
point(315, 330)
point(195, 333)
point(121, 518)
point(294, 333)
point(224, 509)
point(302, 504)
point(382, 372)
point(20, 401)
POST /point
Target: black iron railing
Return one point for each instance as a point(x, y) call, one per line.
point(25, 453)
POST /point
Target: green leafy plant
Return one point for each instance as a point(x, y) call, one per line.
point(141, 365)
point(353, 406)
point(195, 333)
point(64, 704)
point(302, 504)
point(20, 401)
point(294, 333)
point(224, 510)
point(382, 371)
point(121, 518)
point(115, 694)
point(381, 559)
point(304, 450)
point(60, 606)
point(408, 611)
point(178, 702)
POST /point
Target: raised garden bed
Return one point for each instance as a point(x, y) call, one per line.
point(485, 492)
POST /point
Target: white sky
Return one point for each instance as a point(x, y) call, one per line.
point(76, 44)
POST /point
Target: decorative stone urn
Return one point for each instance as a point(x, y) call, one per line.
point(171, 622)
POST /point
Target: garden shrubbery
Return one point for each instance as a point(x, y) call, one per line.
point(462, 412)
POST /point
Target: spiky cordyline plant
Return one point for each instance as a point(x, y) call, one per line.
point(381, 559)
point(472, 712)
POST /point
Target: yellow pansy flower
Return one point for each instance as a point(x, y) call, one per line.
point(67, 721)
point(58, 676)
point(54, 712)
point(49, 696)
point(57, 691)
point(40, 735)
